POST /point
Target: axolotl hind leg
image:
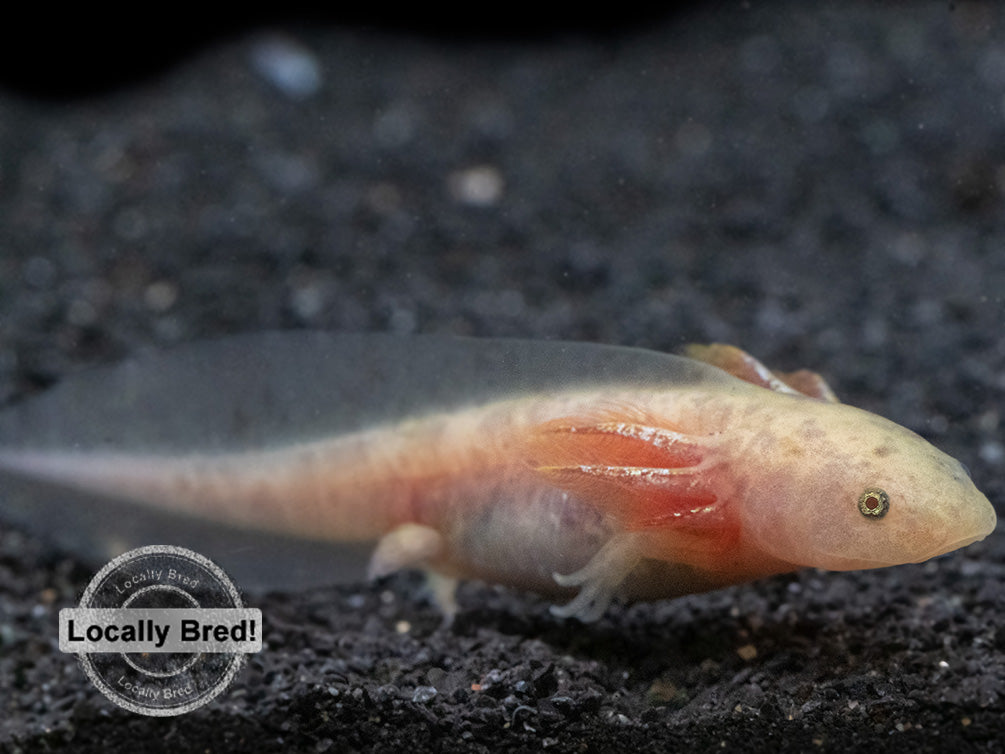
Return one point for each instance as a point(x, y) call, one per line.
point(415, 546)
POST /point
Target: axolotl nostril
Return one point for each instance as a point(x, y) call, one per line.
point(581, 471)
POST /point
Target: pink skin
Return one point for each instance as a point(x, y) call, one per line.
point(615, 492)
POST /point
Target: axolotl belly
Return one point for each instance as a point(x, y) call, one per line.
point(578, 471)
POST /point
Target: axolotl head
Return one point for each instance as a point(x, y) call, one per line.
point(839, 488)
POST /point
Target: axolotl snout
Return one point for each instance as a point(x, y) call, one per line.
point(579, 471)
point(835, 487)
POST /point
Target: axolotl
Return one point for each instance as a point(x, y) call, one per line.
point(579, 471)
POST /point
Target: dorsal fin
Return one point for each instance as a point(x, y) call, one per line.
point(741, 364)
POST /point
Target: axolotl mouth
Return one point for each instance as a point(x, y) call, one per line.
point(838, 562)
point(957, 544)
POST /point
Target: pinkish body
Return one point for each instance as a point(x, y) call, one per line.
point(636, 491)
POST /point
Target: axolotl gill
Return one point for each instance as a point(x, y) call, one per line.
point(579, 471)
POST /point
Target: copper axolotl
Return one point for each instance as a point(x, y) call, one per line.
point(579, 471)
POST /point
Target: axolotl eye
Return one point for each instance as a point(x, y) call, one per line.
point(873, 503)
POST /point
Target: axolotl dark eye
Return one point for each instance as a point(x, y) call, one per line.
point(873, 503)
